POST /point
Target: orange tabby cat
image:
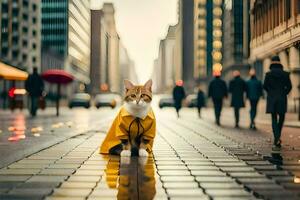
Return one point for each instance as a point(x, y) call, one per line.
point(133, 130)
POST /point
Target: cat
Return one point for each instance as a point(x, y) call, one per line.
point(134, 128)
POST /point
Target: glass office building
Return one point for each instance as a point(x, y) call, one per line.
point(66, 37)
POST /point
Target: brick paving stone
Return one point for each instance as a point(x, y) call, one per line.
point(65, 198)
point(82, 178)
point(262, 180)
point(245, 174)
point(35, 161)
point(190, 198)
point(230, 185)
point(27, 166)
point(276, 173)
point(29, 191)
point(227, 192)
point(9, 184)
point(185, 192)
point(63, 166)
point(82, 172)
point(20, 197)
point(96, 167)
point(38, 185)
point(177, 178)
point(201, 167)
point(71, 192)
point(171, 167)
point(173, 172)
point(45, 178)
point(237, 169)
point(177, 185)
point(265, 167)
point(216, 179)
point(84, 185)
point(208, 173)
point(19, 171)
point(13, 178)
point(58, 172)
point(230, 164)
point(270, 186)
point(104, 193)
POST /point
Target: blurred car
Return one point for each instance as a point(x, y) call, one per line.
point(107, 100)
point(166, 101)
point(80, 100)
point(191, 101)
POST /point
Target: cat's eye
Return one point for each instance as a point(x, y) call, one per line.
point(143, 95)
point(132, 96)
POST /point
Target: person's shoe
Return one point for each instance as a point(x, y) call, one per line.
point(278, 143)
point(237, 126)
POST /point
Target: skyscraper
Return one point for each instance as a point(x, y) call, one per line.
point(66, 37)
point(208, 37)
point(20, 33)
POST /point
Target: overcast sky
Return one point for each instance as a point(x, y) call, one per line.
point(141, 24)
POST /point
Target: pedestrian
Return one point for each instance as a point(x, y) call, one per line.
point(237, 88)
point(217, 90)
point(254, 92)
point(200, 101)
point(34, 86)
point(278, 85)
point(178, 96)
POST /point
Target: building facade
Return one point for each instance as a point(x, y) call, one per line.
point(236, 37)
point(66, 37)
point(20, 36)
point(110, 61)
point(275, 30)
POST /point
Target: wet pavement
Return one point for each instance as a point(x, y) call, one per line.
point(192, 159)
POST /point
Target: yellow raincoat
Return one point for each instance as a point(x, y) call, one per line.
point(120, 128)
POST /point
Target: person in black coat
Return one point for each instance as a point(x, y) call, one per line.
point(34, 86)
point(217, 90)
point(237, 88)
point(254, 92)
point(278, 85)
point(200, 100)
point(178, 96)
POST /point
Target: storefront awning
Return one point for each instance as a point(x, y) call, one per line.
point(11, 73)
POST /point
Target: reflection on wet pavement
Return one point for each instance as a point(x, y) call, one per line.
point(132, 177)
point(17, 128)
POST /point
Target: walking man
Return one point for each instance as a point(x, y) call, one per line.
point(237, 88)
point(178, 95)
point(217, 90)
point(254, 92)
point(34, 86)
point(278, 85)
point(200, 101)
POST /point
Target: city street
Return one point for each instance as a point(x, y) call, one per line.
point(57, 158)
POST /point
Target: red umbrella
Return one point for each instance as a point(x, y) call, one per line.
point(59, 77)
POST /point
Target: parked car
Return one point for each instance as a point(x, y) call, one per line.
point(191, 101)
point(166, 101)
point(80, 100)
point(107, 100)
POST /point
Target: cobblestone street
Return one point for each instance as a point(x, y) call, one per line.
point(192, 159)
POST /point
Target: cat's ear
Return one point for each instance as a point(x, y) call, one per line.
point(128, 84)
point(148, 84)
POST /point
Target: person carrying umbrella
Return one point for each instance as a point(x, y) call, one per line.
point(34, 86)
point(278, 85)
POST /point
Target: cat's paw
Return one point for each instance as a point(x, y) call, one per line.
point(143, 153)
point(125, 153)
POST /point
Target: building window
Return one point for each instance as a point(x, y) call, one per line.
point(288, 9)
point(298, 7)
point(34, 20)
point(24, 43)
point(34, 7)
point(15, 54)
point(25, 30)
point(24, 57)
point(33, 59)
point(25, 16)
point(34, 33)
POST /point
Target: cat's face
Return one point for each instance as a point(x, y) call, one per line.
point(138, 96)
